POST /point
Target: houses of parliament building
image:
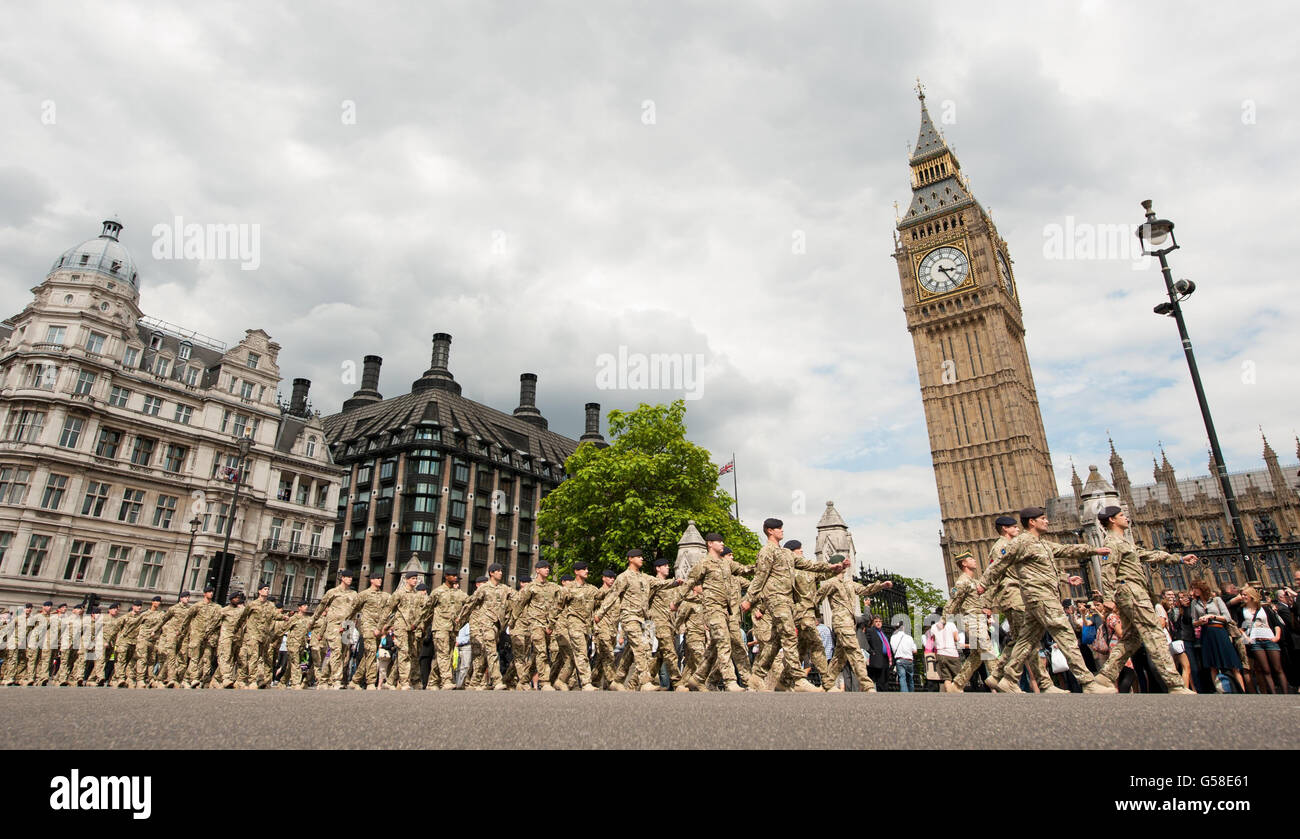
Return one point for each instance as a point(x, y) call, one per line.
point(989, 446)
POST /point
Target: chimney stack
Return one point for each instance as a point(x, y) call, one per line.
point(527, 410)
point(298, 401)
point(369, 390)
point(438, 376)
point(593, 425)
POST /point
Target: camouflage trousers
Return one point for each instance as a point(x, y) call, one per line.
point(367, 672)
point(977, 639)
point(334, 653)
point(739, 652)
point(406, 658)
point(1141, 628)
point(847, 653)
point(1016, 620)
point(144, 662)
point(665, 654)
point(784, 640)
point(811, 648)
point(573, 653)
point(520, 639)
point(72, 666)
point(635, 662)
point(293, 670)
point(124, 662)
point(717, 653)
point(539, 654)
point(444, 643)
point(200, 667)
point(15, 664)
point(1045, 616)
point(696, 654)
point(254, 666)
point(171, 664)
point(602, 668)
point(487, 665)
point(39, 661)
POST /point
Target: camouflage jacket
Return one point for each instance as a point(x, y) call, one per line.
point(1125, 563)
point(1006, 594)
point(575, 606)
point(1036, 563)
point(805, 595)
point(336, 605)
point(720, 578)
point(632, 593)
point(405, 609)
point(443, 607)
point(259, 619)
point(536, 602)
point(774, 573)
point(843, 593)
point(369, 610)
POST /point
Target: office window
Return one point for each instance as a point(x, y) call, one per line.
point(119, 557)
point(192, 376)
point(246, 390)
point(309, 583)
point(267, 576)
point(185, 349)
point(253, 358)
point(241, 425)
point(142, 452)
point(132, 501)
point(25, 426)
point(52, 498)
point(150, 569)
point(322, 495)
point(96, 498)
point(5, 539)
point(317, 532)
point(13, 484)
point(225, 421)
point(175, 458)
point(78, 560)
point(55, 334)
point(42, 376)
point(131, 358)
point(311, 446)
point(71, 432)
point(85, 382)
point(295, 535)
point(214, 518)
point(286, 583)
point(183, 414)
point(161, 366)
point(152, 405)
point(117, 396)
point(109, 440)
point(95, 342)
point(199, 572)
point(155, 341)
point(162, 514)
point(38, 548)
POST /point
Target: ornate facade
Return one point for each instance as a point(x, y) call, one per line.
point(120, 434)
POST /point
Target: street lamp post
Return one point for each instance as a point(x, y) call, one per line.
point(245, 443)
point(1157, 237)
point(195, 524)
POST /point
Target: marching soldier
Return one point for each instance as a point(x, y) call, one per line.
point(60, 639)
point(404, 612)
point(370, 610)
point(254, 667)
point(695, 639)
point(739, 649)
point(105, 643)
point(606, 635)
point(967, 603)
point(333, 609)
point(1006, 596)
point(631, 594)
point(773, 587)
point(15, 666)
point(295, 631)
point(519, 629)
point(441, 610)
point(714, 575)
point(146, 634)
point(805, 618)
point(660, 612)
point(124, 661)
point(536, 604)
point(228, 632)
point(574, 607)
point(487, 605)
point(202, 640)
point(170, 648)
point(1035, 562)
point(38, 645)
point(842, 594)
point(1132, 599)
point(75, 630)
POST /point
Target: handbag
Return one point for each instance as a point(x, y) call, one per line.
point(1059, 662)
point(1100, 644)
point(1178, 647)
point(931, 667)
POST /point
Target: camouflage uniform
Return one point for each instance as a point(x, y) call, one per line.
point(202, 642)
point(968, 603)
point(333, 609)
point(406, 607)
point(573, 607)
point(369, 610)
point(660, 612)
point(536, 602)
point(739, 650)
point(38, 647)
point(124, 646)
point(1132, 599)
point(145, 641)
point(107, 636)
point(228, 632)
point(773, 587)
point(441, 609)
point(605, 636)
point(715, 575)
point(805, 619)
point(486, 611)
point(631, 594)
point(842, 594)
point(170, 648)
point(1006, 594)
point(1034, 560)
point(519, 628)
point(15, 666)
point(296, 629)
point(255, 669)
point(695, 637)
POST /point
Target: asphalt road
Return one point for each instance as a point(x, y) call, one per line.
point(104, 718)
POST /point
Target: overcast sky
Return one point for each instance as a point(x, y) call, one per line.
point(550, 183)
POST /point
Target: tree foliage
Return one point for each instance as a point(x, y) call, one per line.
point(638, 492)
point(922, 596)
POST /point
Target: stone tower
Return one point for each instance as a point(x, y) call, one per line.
point(959, 297)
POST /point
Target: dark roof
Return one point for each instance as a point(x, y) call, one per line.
point(939, 197)
point(201, 356)
point(450, 411)
point(290, 428)
point(929, 141)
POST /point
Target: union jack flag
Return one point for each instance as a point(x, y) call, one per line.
point(725, 469)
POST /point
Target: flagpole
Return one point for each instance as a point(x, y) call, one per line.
point(735, 485)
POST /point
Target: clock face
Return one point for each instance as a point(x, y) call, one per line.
point(1005, 271)
point(943, 269)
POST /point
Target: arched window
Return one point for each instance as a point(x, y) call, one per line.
point(268, 573)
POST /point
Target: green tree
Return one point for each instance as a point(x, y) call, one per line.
point(923, 597)
point(637, 492)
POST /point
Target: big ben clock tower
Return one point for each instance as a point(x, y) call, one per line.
point(962, 307)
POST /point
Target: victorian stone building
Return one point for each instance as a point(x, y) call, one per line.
point(437, 481)
point(986, 431)
point(121, 448)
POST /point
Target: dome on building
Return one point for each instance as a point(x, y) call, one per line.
point(103, 254)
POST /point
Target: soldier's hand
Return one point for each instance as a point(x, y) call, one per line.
point(979, 589)
point(1103, 551)
point(889, 583)
point(1190, 559)
point(1075, 580)
point(377, 633)
point(745, 605)
point(758, 613)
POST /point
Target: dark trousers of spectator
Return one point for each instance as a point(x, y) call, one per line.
point(1069, 682)
point(1088, 660)
point(1200, 675)
point(877, 675)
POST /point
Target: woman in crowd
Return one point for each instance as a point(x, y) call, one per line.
point(1178, 624)
point(1263, 632)
point(1210, 614)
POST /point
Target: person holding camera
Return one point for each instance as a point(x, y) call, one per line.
point(1210, 617)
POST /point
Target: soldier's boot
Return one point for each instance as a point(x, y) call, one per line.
point(589, 687)
point(805, 686)
point(1005, 685)
point(500, 686)
point(1182, 690)
point(734, 687)
point(835, 688)
point(617, 686)
point(1100, 684)
point(1052, 689)
point(650, 687)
